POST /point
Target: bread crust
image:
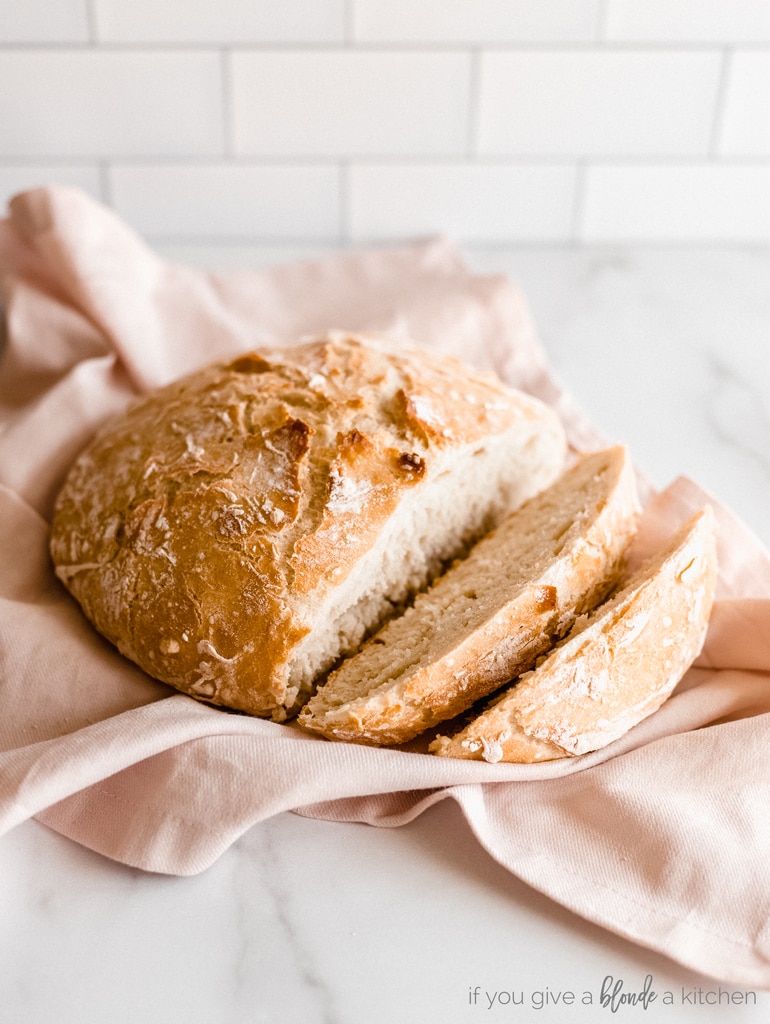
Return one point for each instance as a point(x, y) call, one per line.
point(203, 531)
point(389, 694)
point(616, 667)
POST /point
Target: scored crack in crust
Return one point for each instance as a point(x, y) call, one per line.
point(239, 530)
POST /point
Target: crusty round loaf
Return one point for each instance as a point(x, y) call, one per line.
point(237, 531)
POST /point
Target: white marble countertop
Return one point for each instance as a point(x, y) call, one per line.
point(319, 923)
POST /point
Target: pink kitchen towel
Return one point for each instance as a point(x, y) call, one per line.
point(663, 837)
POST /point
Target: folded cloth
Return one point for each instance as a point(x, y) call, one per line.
point(663, 837)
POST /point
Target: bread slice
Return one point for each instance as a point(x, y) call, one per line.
point(492, 614)
point(615, 668)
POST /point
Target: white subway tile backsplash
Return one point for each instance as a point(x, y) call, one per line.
point(474, 202)
point(680, 21)
point(43, 21)
point(746, 109)
point(223, 21)
point(597, 103)
point(100, 103)
point(469, 21)
point(229, 200)
point(16, 178)
point(676, 203)
point(221, 126)
point(347, 104)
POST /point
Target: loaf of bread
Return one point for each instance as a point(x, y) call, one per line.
point(614, 669)
point(238, 531)
point(492, 614)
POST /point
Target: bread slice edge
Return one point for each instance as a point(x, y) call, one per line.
point(615, 668)
point(524, 625)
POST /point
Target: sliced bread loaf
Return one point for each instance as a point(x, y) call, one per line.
point(237, 531)
point(492, 614)
point(615, 668)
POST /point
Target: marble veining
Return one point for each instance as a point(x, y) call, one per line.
point(304, 988)
point(738, 413)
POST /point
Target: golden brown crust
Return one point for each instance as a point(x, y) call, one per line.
point(491, 615)
point(201, 530)
point(614, 669)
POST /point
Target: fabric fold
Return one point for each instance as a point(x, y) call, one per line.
point(662, 837)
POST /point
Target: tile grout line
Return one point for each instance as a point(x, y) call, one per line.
point(228, 107)
point(366, 46)
point(578, 201)
point(440, 160)
point(343, 171)
point(349, 26)
point(92, 22)
point(474, 104)
point(720, 102)
point(104, 171)
point(602, 22)
point(293, 241)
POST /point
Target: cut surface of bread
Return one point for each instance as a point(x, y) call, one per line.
point(490, 616)
point(236, 532)
point(614, 669)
